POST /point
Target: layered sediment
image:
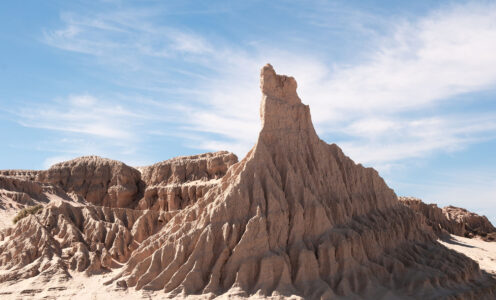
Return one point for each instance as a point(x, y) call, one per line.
point(179, 182)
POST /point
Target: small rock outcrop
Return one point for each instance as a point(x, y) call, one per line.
point(19, 192)
point(98, 180)
point(434, 217)
point(24, 188)
point(20, 174)
point(452, 220)
point(474, 224)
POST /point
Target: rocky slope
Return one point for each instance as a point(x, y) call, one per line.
point(452, 220)
point(98, 180)
point(20, 191)
point(295, 217)
point(176, 183)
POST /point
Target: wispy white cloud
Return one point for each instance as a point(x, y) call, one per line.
point(418, 68)
point(89, 125)
point(398, 102)
point(377, 140)
point(123, 34)
point(83, 114)
point(417, 65)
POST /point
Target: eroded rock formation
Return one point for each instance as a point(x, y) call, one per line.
point(72, 233)
point(176, 183)
point(452, 220)
point(474, 224)
point(19, 192)
point(98, 180)
point(83, 238)
point(294, 217)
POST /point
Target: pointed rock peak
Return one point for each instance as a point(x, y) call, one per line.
point(276, 86)
point(281, 108)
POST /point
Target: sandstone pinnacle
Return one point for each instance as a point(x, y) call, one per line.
point(296, 217)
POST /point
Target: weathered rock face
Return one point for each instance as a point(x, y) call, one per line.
point(434, 217)
point(473, 224)
point(452, 220)
point(176, 183)
point(18, 192)
point(184, 169)
point(20, 174)
point(98, 180)
point(71, 233)
point(23, 189)
point(82, 238)
point(296, 216)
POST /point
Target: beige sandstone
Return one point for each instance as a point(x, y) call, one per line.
point(452, 220)
point(98, 180)
point(176, 183)
point(294, 218)
point(474, 224)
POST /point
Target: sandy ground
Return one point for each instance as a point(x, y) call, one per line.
point(8, 210)
point(93, 288)
point(79, 287)
point(482, 252)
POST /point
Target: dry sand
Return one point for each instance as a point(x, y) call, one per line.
point(92, 287)
point(482, 252)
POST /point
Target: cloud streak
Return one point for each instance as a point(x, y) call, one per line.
point(385, 108)
point(416, 70)
point(83, 114)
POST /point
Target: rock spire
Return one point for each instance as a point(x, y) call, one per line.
point(295, 217)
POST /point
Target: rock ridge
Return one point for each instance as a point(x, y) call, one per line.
point(452, 220)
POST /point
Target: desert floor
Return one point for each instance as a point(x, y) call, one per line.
point(482, 252)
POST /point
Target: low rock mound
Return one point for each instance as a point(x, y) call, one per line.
point(98, 180)
point(20, 174)
point(434, 217)
point(25, 189)
point(452, 220)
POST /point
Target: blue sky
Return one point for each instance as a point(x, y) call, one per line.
point(407, 87)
